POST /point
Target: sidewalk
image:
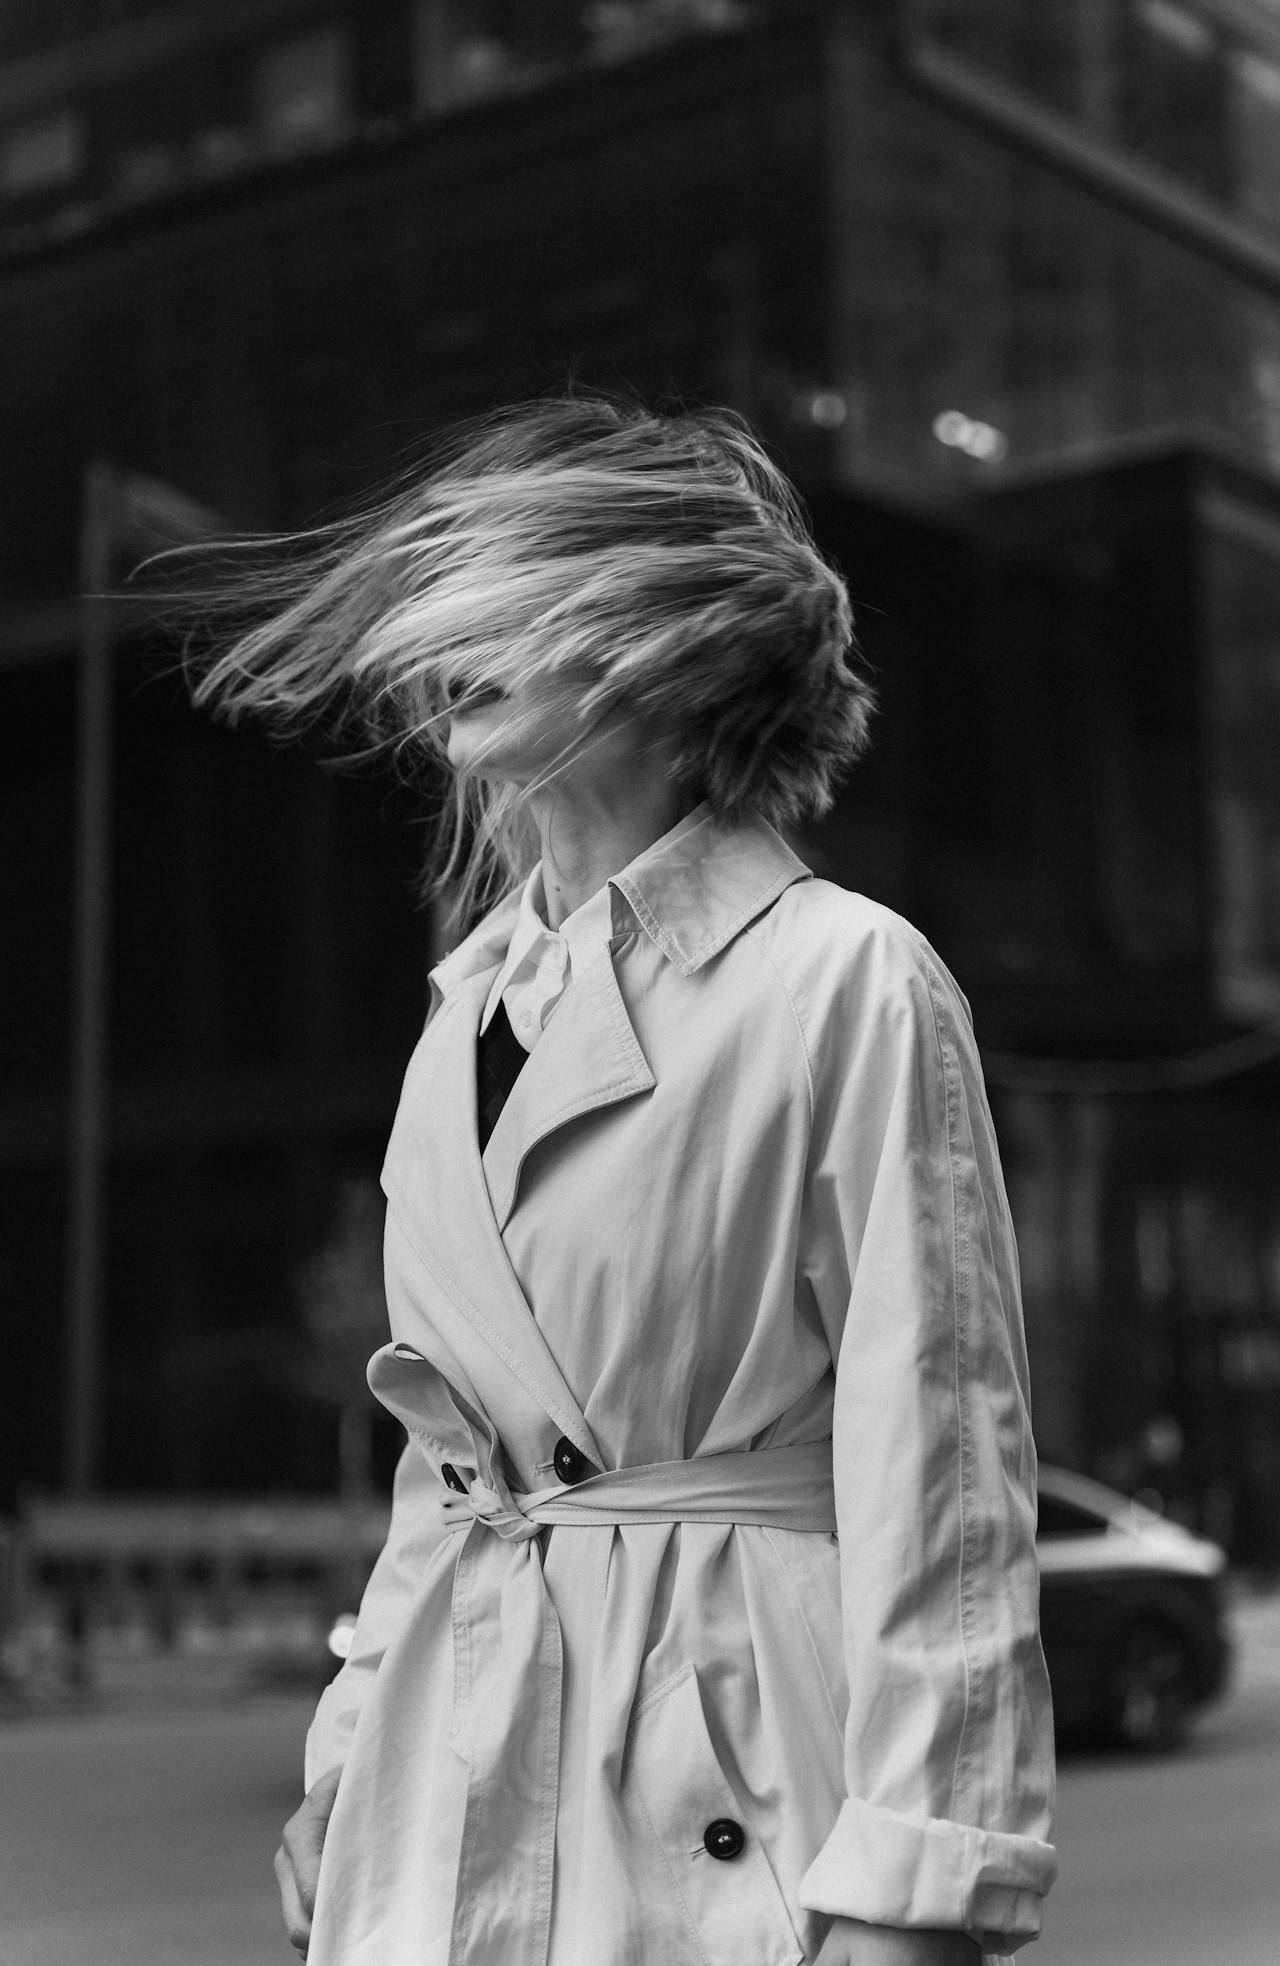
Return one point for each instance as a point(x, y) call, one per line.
point(162, 1682)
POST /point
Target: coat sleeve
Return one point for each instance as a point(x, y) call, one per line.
point(412, 1538)
point(908, 1247)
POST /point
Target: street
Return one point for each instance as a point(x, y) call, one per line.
point(133, 1838)
point(1173, 1862)
point(143, 1835)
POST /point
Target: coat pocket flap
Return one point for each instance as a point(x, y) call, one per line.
point(711, 1852)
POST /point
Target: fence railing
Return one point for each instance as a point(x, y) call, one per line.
point(81, 1580)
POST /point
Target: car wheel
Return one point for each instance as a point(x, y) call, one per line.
point(1148, 1699)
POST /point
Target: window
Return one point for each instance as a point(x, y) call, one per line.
point(1243, 738)
point(1256, 125)
point(299, 90)
point(468, 50)
point(621, 29)
point(1175, 95)
point(1177, 26)
point(1185, 89)
point(41, 155)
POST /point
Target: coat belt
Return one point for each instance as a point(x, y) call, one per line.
point(769, 1487)
point(508, 1664)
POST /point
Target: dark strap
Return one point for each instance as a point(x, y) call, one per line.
point(500, 1057)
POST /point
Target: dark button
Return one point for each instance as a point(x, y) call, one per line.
point(568, 1462)
point(723, 1839)
point(453, 1479)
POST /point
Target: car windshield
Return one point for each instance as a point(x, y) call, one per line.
point(1059, 1518)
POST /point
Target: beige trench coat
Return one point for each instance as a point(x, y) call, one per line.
point(744, 1194)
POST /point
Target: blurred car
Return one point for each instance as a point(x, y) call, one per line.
point(1132, 1613)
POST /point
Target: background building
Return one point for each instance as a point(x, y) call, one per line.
point(1001, 285)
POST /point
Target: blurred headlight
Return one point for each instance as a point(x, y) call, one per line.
point(339, 1640)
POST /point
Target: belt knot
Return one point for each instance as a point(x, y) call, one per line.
point(484, 1504)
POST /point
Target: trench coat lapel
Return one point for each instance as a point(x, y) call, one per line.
point(587, 1058)
point(461, 1245)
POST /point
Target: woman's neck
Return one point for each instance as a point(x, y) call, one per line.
point(589, 832)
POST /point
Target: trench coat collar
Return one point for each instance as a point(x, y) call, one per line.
point(701, 884)
point(691, 892)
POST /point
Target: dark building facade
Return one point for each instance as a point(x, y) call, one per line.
point(1006, 300)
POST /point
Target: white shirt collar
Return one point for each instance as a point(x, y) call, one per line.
point(541, 961)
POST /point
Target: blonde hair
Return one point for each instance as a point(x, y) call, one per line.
point(614, 560)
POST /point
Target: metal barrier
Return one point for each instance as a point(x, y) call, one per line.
point(78, 1578)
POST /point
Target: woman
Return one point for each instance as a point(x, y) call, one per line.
point(705, 1629)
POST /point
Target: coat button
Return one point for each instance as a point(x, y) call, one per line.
point(569, 1463)
point(452, 1479)
point(723, 1839)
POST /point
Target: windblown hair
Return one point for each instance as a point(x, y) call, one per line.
point(597, 555)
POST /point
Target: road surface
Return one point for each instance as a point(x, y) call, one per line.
point(142, 1835)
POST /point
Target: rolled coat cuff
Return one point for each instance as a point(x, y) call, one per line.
point(889, 1869)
